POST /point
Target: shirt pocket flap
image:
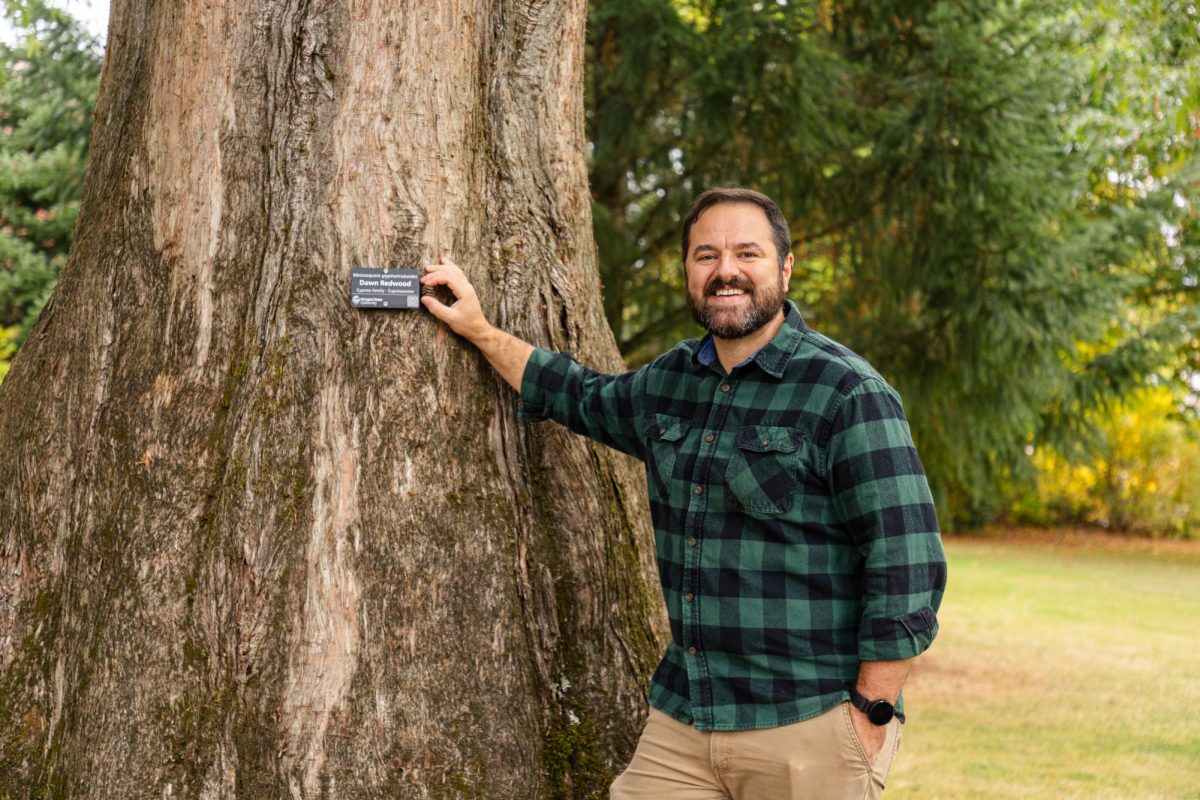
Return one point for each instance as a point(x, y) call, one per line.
point(666, 428)
point(768, 438)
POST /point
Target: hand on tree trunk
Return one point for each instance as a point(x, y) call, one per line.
point(506, 353)
point(465, 317)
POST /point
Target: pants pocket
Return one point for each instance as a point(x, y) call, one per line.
point(852, 735)
point(881, 766)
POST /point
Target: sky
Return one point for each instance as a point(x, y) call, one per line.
point(92, 13)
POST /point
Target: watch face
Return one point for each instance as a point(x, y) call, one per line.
point(881, 712)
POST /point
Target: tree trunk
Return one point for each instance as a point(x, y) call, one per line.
point(257, 543)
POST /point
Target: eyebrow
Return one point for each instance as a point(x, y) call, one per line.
point(738, 246)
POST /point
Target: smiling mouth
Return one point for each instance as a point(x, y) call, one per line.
point(726, 296)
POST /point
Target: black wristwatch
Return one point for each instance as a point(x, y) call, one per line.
point(879, 712)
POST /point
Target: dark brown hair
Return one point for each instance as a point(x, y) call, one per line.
point(780, 232)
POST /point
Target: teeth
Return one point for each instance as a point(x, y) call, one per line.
point(728, 292)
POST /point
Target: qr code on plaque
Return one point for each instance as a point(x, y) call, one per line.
point(413, 301)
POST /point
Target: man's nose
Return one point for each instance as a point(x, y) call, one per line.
point(726, 266)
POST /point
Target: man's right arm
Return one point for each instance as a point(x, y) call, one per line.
point(507, 354)
point(603, 407)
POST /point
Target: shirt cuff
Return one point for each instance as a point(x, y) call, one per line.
point(897, 638)
point(543, 374)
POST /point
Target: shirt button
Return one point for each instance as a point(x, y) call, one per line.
point(692, 542)
point(689, 597)
point(698, 490)
point(765, 442)
point(692, 650)
point(724, 387)
point(710, 438)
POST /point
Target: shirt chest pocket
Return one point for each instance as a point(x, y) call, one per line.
point(761, 474)
point(665, 436)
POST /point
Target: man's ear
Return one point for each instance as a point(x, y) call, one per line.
point(787, 269)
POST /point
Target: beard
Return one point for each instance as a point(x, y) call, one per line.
point(765, 303)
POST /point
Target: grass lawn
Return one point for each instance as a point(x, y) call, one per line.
point(1067, 666)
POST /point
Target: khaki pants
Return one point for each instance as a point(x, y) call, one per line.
point(817, 759)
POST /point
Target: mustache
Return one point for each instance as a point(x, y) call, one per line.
point(716, 284)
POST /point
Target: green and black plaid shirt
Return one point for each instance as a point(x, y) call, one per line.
point(794, 528)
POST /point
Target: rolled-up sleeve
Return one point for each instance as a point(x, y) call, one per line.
point(883, 501)
point(603, 407)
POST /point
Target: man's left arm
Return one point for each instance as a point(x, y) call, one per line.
point(881, 491)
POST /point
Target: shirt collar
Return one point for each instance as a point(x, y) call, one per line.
point(772, 358)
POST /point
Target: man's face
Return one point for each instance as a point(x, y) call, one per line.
point(734, 282)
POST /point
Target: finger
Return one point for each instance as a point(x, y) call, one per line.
point(457, 282)
point(448, 270)
point(434, 278)
point(432, 269)
point(442, 263)
point(436, 307)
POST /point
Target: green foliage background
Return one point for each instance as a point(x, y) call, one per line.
point(993, 202)
point(48, 88)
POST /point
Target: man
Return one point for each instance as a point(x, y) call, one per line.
point(796, 538)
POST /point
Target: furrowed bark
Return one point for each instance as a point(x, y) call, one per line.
point(257, 543)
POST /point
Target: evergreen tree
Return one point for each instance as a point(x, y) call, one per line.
point(949, 171)
point(48, 83)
